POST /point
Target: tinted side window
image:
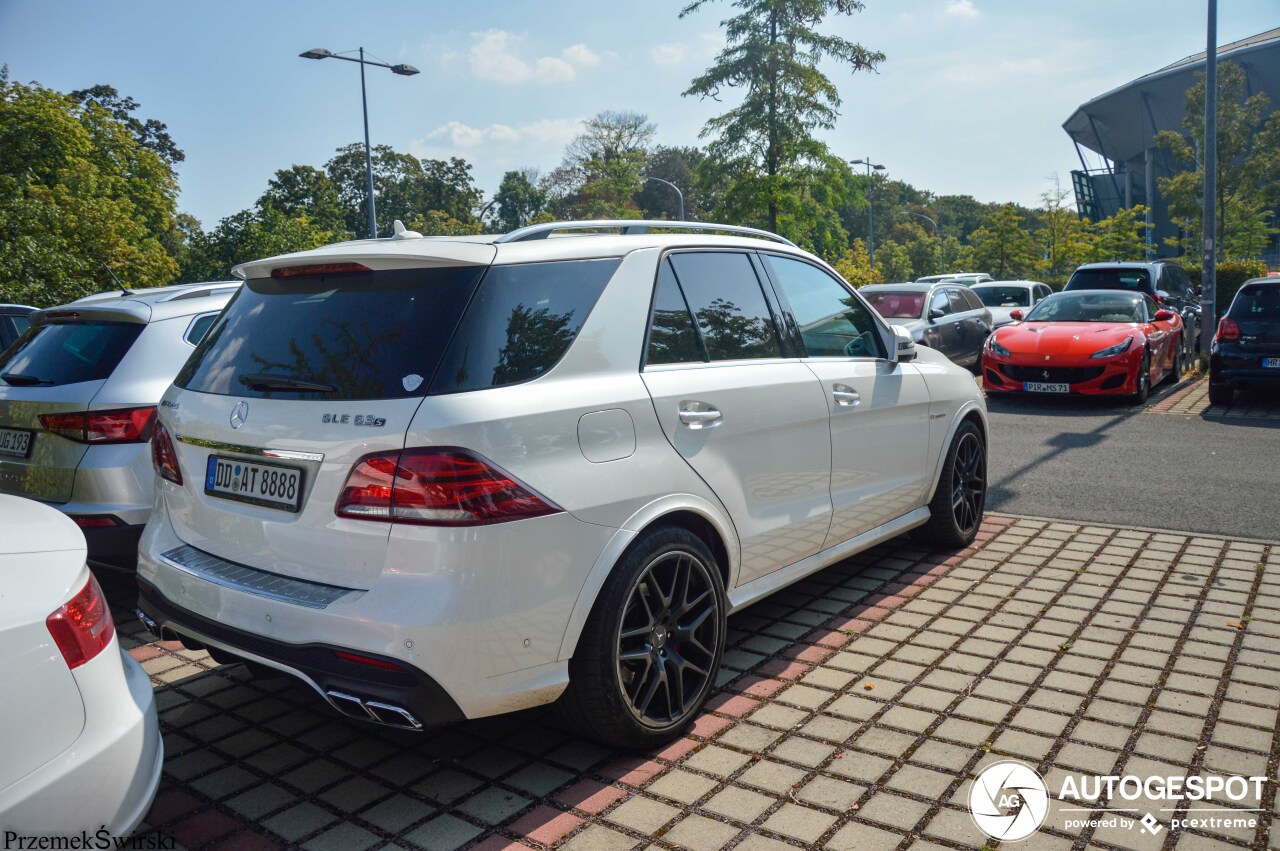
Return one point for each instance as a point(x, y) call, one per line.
point(833, 322)
point(672, 335)
point(725, 296)
point(67, 353)
point(940, 302)
point(1258, 303)
point(20, 324)
point(973, 302)
point(520, 322)
point(199, 327)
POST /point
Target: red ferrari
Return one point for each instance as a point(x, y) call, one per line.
point(1088, 341)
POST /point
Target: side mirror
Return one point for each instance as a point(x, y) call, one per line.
point(1015, 314)
point(1161, 296)
point(1164, 316)
point(904, 348)
point(936, 313)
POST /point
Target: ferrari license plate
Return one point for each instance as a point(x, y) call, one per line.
point(1042, 387)
point(15, 442)
point(268, 485)
point(1271, 363)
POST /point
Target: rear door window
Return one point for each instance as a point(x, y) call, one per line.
point(368, 335)
point(60, 353)
point(673, 338)
point(724, 295)
point(833, 322)
point(940, 302)
point(520, 323)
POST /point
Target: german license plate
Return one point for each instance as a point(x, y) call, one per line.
point(1042, 387)
point(268, 485)
point(1271, 363)
point(15, 442)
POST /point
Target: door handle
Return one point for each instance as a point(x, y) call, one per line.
point(845, 396)
point(696, 414)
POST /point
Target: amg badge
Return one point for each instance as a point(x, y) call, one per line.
point(354, 419)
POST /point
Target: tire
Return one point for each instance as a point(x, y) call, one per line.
point(955, 512)
point(1175, 374)
point(650, 650)
point(1144, 380)
point(1220, 394)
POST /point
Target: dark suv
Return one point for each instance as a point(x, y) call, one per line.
point(1246, 350)
point(1163, 280)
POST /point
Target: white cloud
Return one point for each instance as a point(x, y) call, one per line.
point(962, 9)
point(668, 54)
point(553, 131)
point(495, 56)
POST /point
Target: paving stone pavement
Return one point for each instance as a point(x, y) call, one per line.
point(1193, 400)
point(855, 709)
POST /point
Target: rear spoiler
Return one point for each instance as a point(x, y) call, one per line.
point(133, 312)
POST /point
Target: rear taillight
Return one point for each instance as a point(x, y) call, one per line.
point(1228, 329)
point(435, 487)
point(163, 457)
point(82, 626)
point(127, 425)
point(368, 661)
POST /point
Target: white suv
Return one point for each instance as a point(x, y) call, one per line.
point(444, 478)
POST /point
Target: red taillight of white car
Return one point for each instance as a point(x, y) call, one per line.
point(435, 487)
point(82, 626)
point(163, 456)
point(126, 425)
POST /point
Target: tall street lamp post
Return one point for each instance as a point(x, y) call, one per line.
point(679, 194)
point(871, 233)
point(404, 71)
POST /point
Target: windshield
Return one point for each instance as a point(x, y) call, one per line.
point(896, 304)
point(1134, 280)
point(1003, 296)
point(67, 353)
point(1088, 307)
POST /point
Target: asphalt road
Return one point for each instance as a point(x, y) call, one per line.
point(1104, 461)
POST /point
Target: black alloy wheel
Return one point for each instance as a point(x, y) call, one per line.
point(955, 512)
point(1144, 380)
point(667, 639)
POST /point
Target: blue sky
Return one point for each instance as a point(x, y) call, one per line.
point(970, 100)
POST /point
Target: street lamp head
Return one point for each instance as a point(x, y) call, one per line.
point(856, 162)
point(404, 70)
point(316, 53)
point(876, 167)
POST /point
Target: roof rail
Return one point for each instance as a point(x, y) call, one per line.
point(631, 226)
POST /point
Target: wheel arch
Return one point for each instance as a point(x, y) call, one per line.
point(974, 412)
point(684, 511)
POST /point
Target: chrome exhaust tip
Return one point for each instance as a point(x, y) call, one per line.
point(350, 705)
point(373, 710)
point(148, 622)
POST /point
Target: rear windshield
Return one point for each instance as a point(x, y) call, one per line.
point(896, 305)
point(1257, 304)
point(67, 353)
point(1003, 296)
point(1134, 280)
point(371, 335)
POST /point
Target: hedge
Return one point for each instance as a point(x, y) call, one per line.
point(1231, 275)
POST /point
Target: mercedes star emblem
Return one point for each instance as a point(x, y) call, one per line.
point(239, 414)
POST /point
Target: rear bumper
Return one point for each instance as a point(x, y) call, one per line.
point(318, 665)
point(114, 547)
point(1243, 369)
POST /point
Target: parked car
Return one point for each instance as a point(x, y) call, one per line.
point(1246, 349)
point(13, 321)
point(966, 278)
point(946, 317)
point(1086, 342)
point(78, 395)
point(1163, 280)
point(1002, 298)
point(446, 478)
point(82, 747)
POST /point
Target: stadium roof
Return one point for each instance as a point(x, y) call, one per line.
point(1119, 124)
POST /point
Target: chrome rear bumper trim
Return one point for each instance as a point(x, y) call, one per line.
point(239, 577)
point(219, 446)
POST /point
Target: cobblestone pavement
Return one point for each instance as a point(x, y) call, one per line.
point(1193, 400)
point(856, 707)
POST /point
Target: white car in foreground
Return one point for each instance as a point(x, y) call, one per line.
point(81, 744)
point(443, 478)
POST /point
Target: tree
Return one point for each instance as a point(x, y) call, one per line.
point(250, 235)
point(855, 266)
point(605, 165)
point(893, 262)
point(679, 165)
point(1063, 234)
point(1119, 237)
point(1002, 246)
point(773, 53)
point(78, 193)
point(303, 190)
point(518, 200)
point(404, 187)
point(151, 133)
point(1248, 167)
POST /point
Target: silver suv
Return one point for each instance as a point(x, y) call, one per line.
point(78, 396)
point(443, 478)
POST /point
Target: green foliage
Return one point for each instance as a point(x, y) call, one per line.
point(773, 53)
point(151, 133)
point(893, 262)
point(1002, 247)
point(404, 186)
point(855, 266)
point(518, 200)
point(438, 223)
point(78, 193)
point(1119, 237)
point(679, 165)
point(249, 235)
point(1248, 179)
point(304, 190)
point(603, 168)
point(1228, 277)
